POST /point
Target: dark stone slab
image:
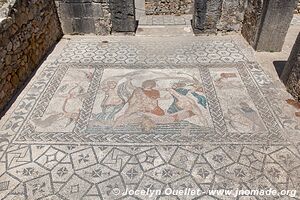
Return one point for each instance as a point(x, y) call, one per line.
point(291, 72)
point(266, 24)
point(252, 20)
point(83, 25)
point(206, 15)
point(84, 16)
point(123, 15)
point(232, 15)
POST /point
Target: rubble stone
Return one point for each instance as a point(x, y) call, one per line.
point(169, 7)
point(28, 30)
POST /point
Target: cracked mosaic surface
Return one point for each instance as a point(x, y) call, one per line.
point(117, 113)
point(166, 20)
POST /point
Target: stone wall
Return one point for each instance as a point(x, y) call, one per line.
point(211, 16)
point(298, 8)
point(291, 72)
point(122, 15)
point(252, 19)
point(28, 30)
point(169, 7)
point(232, 15)
point(96, 16)
point(266, 23)
point(85, 16)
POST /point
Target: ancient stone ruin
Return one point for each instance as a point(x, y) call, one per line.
point(29, 29)
point(99, 101)
point(291, 73)
point(169, 7)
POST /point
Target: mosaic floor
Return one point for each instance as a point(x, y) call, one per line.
point(111, 114)
point(164, 20)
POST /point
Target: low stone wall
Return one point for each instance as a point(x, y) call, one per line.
point(169, 7)
point(291, 72)
point(28, 30)
point(88, 16)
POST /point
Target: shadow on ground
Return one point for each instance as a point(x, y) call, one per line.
point(279, 66)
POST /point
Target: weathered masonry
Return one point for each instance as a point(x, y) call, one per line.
point(266, 23)
point(2, 2)
point(291, 73)
point(218, 15)
point(88, 16)
point(298, 8)
point(106, 16)
point(169, 7)
point(96, 16)
point(28, 30)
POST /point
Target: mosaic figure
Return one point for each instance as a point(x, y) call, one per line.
point(112, 102)
point(184, 102)
point(181, 91)
point(68, 94)
point(244, 115)
point(143, 100)
point(147, 99)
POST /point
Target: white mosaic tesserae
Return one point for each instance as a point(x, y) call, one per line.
point(100, 118)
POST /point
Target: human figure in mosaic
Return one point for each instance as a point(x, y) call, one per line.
point(143, 100)
point(184, 102)
point(251, 115)
point(243, 116)
point(112, 102)
point(181, 90)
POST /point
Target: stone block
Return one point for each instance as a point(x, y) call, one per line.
point(266, 23)
point(206, 15)
point(232, 15)
point(123, 15)
point(83, 25)
point(67, 26)
point(291, 72)
point(84, 16)
point(252, 19)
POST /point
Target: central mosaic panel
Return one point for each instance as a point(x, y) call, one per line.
point(140, 105)
point(150, 100)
